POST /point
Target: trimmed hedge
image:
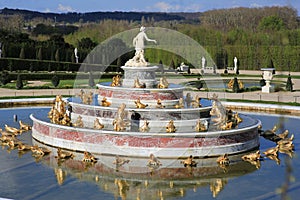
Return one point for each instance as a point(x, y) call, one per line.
point(16, 64)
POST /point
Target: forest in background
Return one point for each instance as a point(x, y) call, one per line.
point(259, 37)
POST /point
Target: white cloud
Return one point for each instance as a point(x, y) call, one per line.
point(192, 8)
point(167, 7)
point(47, 10)
point(163, 6)
point(63, 8)
point(255, 5)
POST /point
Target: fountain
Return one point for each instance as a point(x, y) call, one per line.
point(140, 115)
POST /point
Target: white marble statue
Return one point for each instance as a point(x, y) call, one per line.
point(139, 43)
point(235, 60)
point(76, 56)
point(203, 63)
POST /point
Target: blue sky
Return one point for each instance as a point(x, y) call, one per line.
point(63, 6)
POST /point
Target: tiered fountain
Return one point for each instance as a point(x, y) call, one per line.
point(137, 115)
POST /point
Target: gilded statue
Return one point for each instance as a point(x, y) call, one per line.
point(105, 103)
point(201, 126)
point(137, 84)
point(145, 127)
point(159, 104)
point(163, 83)
point(119, 123)
point(79, 122)
point(180, 103)
point(196, 102)
point(139, 104)
point(98, 125)
point(170, 128)
point(116, 81)
point(66, 120)
point(218, 113)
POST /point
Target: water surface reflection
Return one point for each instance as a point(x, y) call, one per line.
point(25, 177)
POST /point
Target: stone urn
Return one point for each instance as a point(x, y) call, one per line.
point(268, 76)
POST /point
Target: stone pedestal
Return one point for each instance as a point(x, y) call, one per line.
point(267, 75)
point(144, 74)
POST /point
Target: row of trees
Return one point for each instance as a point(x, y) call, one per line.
point(255, 36)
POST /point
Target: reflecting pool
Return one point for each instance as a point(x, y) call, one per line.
point(23, 176)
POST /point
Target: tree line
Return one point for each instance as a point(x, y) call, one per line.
point(255, 35)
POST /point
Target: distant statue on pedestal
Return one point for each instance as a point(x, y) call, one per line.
point(203, 63)
point(75, 53)
point(235, 60)
point(139, 44)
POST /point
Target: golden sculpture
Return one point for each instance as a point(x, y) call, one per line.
point(237, 118)
point(56, 116)
point(119, 122)
point(159, 104)
point(284, 134)
point(227, 126)
point(24, 126)
point(201, 126)
point(272, 151)
point(180, 103)
point(170, 128)
point(66, 120)
point(98, 125)
point(23, 147)
point(79, 122)
point(286, 146)
point(13, 130)
point(145, 127)
point(50, 113)
point(39, 151)
point(189, 162)
point(120, 161)
point(230, 84)
point(58, 111)
point(105, 103)
point(137, 84)
point(139, 104)
point(63, 154)
point(224, 119)
point(188, 100)
point(86, 98)
point(88, 157)
point(153, 161)
point(196, 102)
point(252, 156)
point(223, 160)
point(116, 81)
point(119, 125)
point(163, 83)
point(218, 113)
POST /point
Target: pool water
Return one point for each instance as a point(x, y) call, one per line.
point(25, 177)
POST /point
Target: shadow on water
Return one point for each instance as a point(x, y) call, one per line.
point(23, 176)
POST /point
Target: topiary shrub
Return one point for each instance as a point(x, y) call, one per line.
point(289, 84)
point(19, 83)
point(235, 87)
point(91, 80)
point(4, 78)
point(55, 80)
